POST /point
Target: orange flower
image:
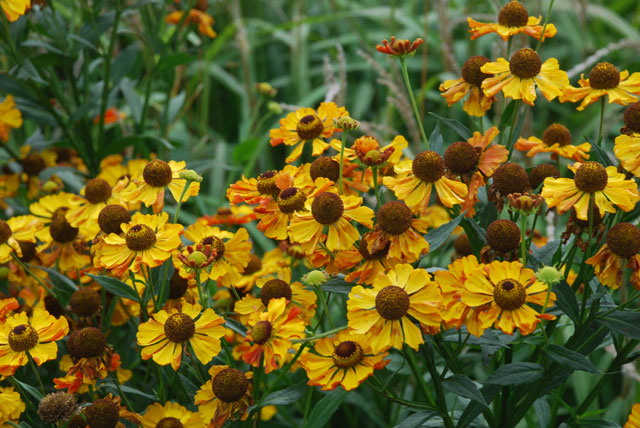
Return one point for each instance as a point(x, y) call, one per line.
point(471, 82)
point(556, 140)
point(513, 19)
point(451, 282)
point(204, 21)
point(111, 116)
point(621, 250)
point(399, 47)
point(10, 116)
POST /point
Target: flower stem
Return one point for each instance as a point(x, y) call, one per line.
point(523, 239)
point(408, 354)
point(325, 304)
point(344, 142)
point(603, 104)
point(35, 370)
point(376, 186)
point(184, 191)
point(320, 336)
point(114, 378)
point(414, 106)
point(28, 271)
point(194, 363)
point(544, 26)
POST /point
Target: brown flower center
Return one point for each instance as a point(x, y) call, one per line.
point(461, 158)
point(604, 76)
point(157, 173)
point(177, 285)
point(513, 14)
point(5, 231)
point(89, 342)
point(309, 127)
point(347, 354)
point(140, 238)
point(624, 240)
point(33, 164)
point(85, 302)
point(326, 167)
point(556, 133)
point(503, 236)
point(261, 332)
point(267, 184)
point(169, 423)
point(28, 249)
point(274, 289)
point(509, 294)
point(540, 172)
point(103, 413)
point(97, 190)
point(510, 178)
point(471, 72)
point(327, 208)
point(291, 200)
point(394, 218)
point(462, 245)
point(179, 327)
point(230, 385)
point(60, 229)
point(392, 303)
point(216, 243)
point(111, 217)
point(254, 265)
point(428, 166)
point(525, 63)
point(22, 338)
point(632, 117)
point(57, 407)
point(591, 177)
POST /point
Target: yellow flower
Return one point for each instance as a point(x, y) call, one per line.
point(471, 82)
point(226, 396)
point(556, 140)
point(451, 282)
point(16, 230)
point(97, 194)
point(270, 335)
point(366, 264)
point(415, 180)
point(165, 334)
point(307, 124)
point(518, 77)
point(170, 415)
point(604, 79)
point(334, 212)
point(205, 21)
point(499, 293)
point(11, 405)
point(627, 149)
point(146, 240)
point(620, 250)
point(10, 116)
point(513, 19)
point(234, 252)
point(37, 336)
point(274, 288)
point(345, 359)
point(382, 312)
point(634, 417)
point(591, 180)
point(150, 188)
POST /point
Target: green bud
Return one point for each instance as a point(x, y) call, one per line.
point(191, 175)
point(549, 275)
point(315, 278)
point(274, 107)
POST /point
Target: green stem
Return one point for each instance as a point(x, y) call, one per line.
point(603, 104)
point(114, 378)
point(35, 371)
point(414, 106)
point(400, 400)
point(410, 357)
point(28, 271)
point(325, 305)
point(440, 398)
point(513, 125)
point(344, 142)
point(194, 363)
point(184, 191)
point(283, 372)
point(523, 239)
point(320, 336)
point(376, 187)
point(205, 304)
point(544, 26)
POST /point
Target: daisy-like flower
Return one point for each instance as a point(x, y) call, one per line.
point(275, 288)
point(226, 396)
point(15, 230)
point(107, 412)
point(500, 293)
point(334, 212)
point(230, 216)
point(36, 335)
point(270, 334)
point(399, 47)
point(11, 405)
point(513, 19)
point(415, 180)
point(519, 77)
point(474, 161)
point(368, 151)
point(165, 334)
point(14, 9)
point(116, 172)
point(604, 79)
point(202, 19)
point(397, 230)
point(382, 312)
point(307, 124)
point(634, 417)
point(7, 306)
point(556, 140)
point(621, 249)
point(156, 176)
point(606, 186)
point(627, 145)
point(171, 415)
point(146, 240)
point(111, 115)
point(345, 359)
point(233, 252)
point(451, 282)
point(366, 264)
point(470, 83)
point(10, 116)
point(97, 194)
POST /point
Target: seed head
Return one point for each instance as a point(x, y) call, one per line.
point(503, 236)
point(97, 190)
point(604, 76)
point(327, 208)
point(179, 327)
point(85, 302)
point(392, 303)
point(230, 385)
point(525, 63)
point(157, 173)
point(111, 217)
point(274, 289)
point(513, 14)
point(540, 172)
point(428, 166)
point(591, 177)
point(461, 158)
point(56, 407)
point(326, 167)
point(471, 72)
point(510, 178)
point(624, 240)
point(394, 218)
point(556, 133)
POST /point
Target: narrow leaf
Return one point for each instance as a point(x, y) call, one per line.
point(325, 408)
point(569, 358)
point(515, 374)
point(115, 286)
point(461, 385)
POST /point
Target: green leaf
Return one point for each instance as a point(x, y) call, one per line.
point(458, 127)
point(461, 385)
point(172, 60)
point(507, 115)
point(435, 140)
point(597, 423)
point(129, 390)
point(133, 99)
point(288, 395)
point(567, 301)
point(243, 151)
point(515, 374)
point(115, 286)
point(60, 282)
point(416, 419)
point(438, 236)
point(30, 389)
point(625, 322)
point(325, 408)
point(474, 409)
point(544, 254)
point(337, 285)
point(569, 358)
point(600, 155)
